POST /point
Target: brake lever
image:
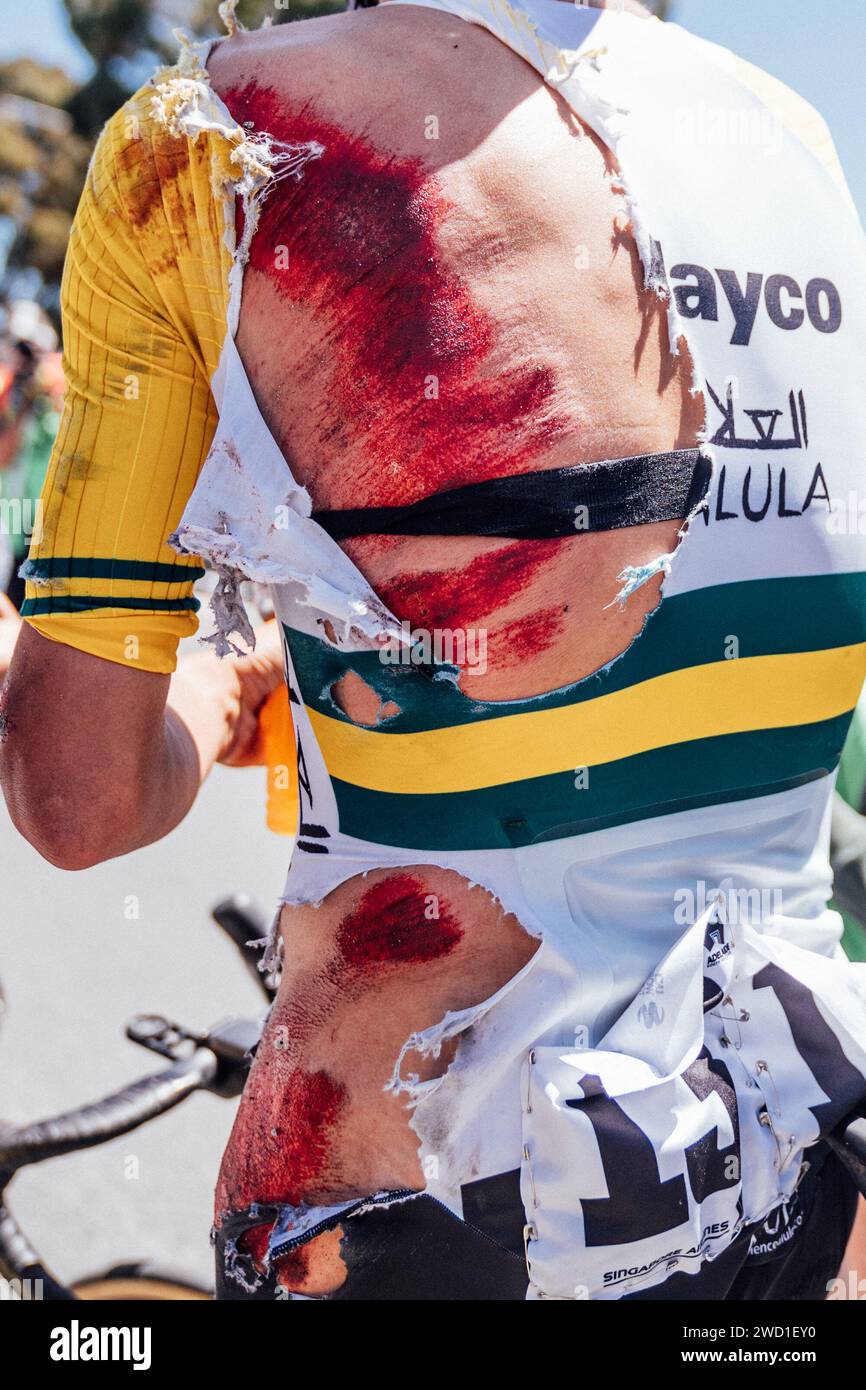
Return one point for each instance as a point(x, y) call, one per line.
point(848, 1142)
point(233, 1042)
point(161, 1035)
point(247, 927)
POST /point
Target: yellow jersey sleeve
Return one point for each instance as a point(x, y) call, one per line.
point(144, 311)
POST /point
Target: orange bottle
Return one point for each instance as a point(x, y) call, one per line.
point(278, 753)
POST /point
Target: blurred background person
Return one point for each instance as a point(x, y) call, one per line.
point(9, 625)
point(31, 398)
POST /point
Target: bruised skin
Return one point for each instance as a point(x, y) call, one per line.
point(416, 316)
point(408, 344)
point(412, 320)
point(529, 597)
point(383, 957)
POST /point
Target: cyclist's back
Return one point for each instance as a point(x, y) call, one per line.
point(479, 278)
point(422, 311)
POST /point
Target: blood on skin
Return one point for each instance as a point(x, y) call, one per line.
point(290, 1269)
point(392, 925)
point(461, 597)
point(407, 346)
point(515, 641)
point(254, 1243)
point(284, 1163)
point(315, 1267)
point(281, 1146)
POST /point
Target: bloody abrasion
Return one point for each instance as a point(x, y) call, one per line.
point(461, 597)
point(283, 1162)
point(290, 1270)
point(517, 641)
point(404, 376)
point(254, 1243)
point(398, 922)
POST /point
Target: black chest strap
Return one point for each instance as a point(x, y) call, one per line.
point(541, 506)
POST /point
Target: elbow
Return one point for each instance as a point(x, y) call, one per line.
point(72, 831)
point(76, 786)
point(73, 851)
point(70, 842)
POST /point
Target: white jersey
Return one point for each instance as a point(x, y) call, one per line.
point(655, 1076)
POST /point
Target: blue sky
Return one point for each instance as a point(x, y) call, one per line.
point(816, 46)
point(38, 29)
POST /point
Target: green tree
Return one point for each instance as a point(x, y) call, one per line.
point(48, 124)
point(43, 160)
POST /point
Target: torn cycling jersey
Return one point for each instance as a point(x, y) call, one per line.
point(649, 1084)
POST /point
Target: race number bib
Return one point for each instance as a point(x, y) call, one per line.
point(648, 1155)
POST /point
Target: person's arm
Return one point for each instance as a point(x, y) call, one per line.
point(117, 762)
point(94, 761)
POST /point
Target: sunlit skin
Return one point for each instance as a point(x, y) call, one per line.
point(371, 966)
point(450, 293)
point(494, 262)
point(417, 314)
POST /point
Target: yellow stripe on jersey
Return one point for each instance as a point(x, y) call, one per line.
point(144, 639)
point(726, 697)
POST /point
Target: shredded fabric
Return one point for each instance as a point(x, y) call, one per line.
point(634, 577)
point(245, 164)
point(634, 1042)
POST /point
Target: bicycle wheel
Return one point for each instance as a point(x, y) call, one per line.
point(131, 1285)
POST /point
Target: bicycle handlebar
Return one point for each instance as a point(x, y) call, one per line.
point(848, 1142)
point(216, 1061)
point(18, 1260)
point(245, 924)
point(107, 1118)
